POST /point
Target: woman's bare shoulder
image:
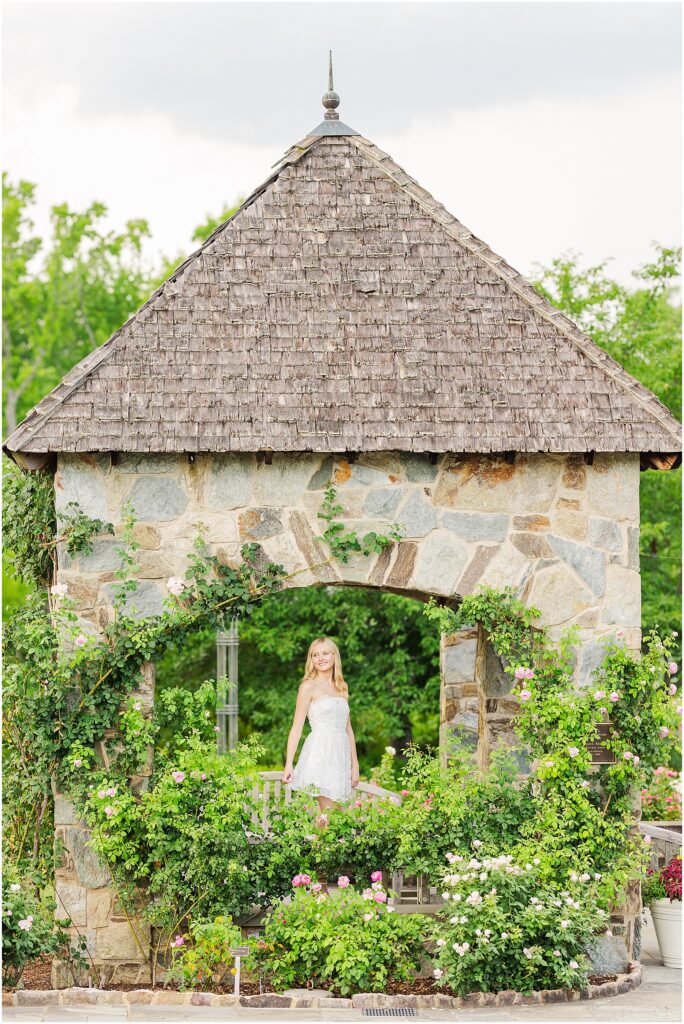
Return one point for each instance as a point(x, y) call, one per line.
point(306, 688)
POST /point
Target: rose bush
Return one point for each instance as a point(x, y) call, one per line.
point(503, 927)
point(201, 958)
point(660, 797)
point(347, 942)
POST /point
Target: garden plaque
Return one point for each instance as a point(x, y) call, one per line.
point(598, 752)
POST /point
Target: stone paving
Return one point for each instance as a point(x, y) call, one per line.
point(657, 1000)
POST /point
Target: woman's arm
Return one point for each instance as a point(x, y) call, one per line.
point(354, 758)
point(301, 708)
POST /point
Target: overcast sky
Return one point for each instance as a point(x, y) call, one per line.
point(543, 127)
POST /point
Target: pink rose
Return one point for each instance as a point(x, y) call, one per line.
point(178, 941)
point(177, 776)
point(367, 894)
point(81, 640)
point(404, 792)
point(297, 880)
point(380, 897)
point(628, 755)
point(672, 689)
point(376, 876)
point(672, 667)
point(111, 791)
point(525, 695)
point(663, 732)
point(102, 793)
point(600, 694)
point(573, 751)
point(615, 696)
point(316, 887)
point(305, 879)
point(520, 673)
point(77, 762)
point(529, 673)
point(109, 811)
point(203, 775)
point(343, 882)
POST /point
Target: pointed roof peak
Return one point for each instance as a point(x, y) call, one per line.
point(331, 124)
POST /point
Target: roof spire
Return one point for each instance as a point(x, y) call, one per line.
point(331, 100)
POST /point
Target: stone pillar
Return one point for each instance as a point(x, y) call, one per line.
point(84, 888)
point(459, 711)
point(498, 706)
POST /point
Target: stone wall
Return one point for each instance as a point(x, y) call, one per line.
point(563, 533)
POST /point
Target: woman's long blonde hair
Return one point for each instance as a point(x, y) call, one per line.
point(311, 672)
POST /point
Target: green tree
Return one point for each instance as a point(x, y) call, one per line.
point(390, 658)
point(640, 328)
point(89, 282)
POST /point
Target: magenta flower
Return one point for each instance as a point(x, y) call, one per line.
point(178, 941)
point(306, 879)
point(376, 876)
point(297, 880)
point(380, 897)
point(343, 882)
point(404, 792)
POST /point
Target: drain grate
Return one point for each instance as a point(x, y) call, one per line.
point(385, 1011)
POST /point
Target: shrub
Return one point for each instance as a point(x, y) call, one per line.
point(203, 958)
point(348, 941)
point(660, 799)
point(502, 928)
point(29, 928)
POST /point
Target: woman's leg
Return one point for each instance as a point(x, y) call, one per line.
point(324, 804)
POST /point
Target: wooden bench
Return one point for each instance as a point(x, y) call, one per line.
point(270, 793)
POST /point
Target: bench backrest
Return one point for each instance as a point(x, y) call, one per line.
point(270, 793)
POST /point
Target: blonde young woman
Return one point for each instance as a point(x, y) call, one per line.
point(328, 766)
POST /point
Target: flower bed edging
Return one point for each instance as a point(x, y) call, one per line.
point(364, 1000)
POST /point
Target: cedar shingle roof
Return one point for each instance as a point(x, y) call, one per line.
point(342, 308)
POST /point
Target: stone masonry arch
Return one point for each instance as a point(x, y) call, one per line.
point(562, 530)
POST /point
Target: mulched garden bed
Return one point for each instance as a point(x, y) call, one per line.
point(36, 976)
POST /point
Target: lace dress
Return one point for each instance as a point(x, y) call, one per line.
point(324, 765)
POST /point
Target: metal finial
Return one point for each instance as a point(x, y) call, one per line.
point(331, 100)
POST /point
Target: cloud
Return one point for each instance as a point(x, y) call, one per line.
point(246, 72)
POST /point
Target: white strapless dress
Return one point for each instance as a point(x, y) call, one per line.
point(324, 765)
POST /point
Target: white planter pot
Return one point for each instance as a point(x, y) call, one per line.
point(667, 920)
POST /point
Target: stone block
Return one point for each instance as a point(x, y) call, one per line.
point(65, 812)
point(383, 501)
point(259, 523)
point(532, 522)
point(157, 498)
point(622, 603)
point(505, 568)
point(571, 524)
point(476, 526)
point(83, 862)
point(559, 595)
point(311, 548)
point(417, 516)
point(575, 473)
point(417, 467)
point(229, 482)
point(532, 545)
point(605, 533)
point(143, 462)
point(155, 566)
point(322, 477)
point(458, 662)
point(608, 954)
point(145, 601)
point(81, 592)
point(71, 902)
point(402, 569)
point(613, 485)
point(475, 568)
point(33, 997)
point(99, 907)
point(78, 479)
point(148, 537)
point(633, 547)
point(283, 482)
point(589, 564)
point(440, 561)
point(117, 942)
point(489, 484)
